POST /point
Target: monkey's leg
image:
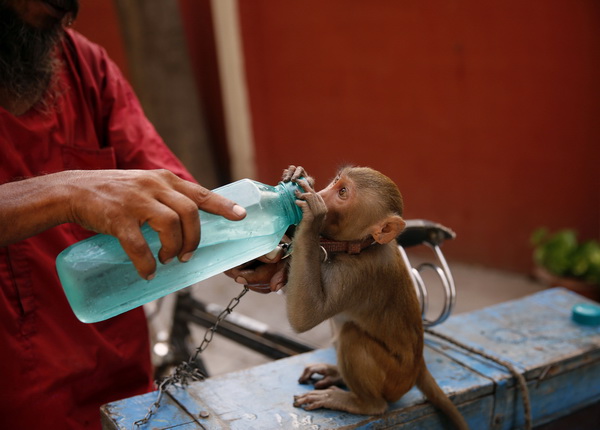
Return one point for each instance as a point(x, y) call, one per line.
point(372, 374)
point(330, 373)
point(362, 363)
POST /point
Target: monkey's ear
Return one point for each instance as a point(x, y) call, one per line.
point(387, 230)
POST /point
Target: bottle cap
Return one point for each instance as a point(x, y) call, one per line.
point(586, 314)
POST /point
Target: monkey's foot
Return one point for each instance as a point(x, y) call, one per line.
point(340, 400)
point(330, 373)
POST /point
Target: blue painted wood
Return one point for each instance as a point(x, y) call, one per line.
point(560, 360)
point(535, 334)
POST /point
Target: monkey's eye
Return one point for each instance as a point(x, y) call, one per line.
point(343, 192)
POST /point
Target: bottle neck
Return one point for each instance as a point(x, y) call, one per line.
point(287, 191)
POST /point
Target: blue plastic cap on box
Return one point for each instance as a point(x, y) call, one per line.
point(586, 314)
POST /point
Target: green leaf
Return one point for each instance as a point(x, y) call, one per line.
point(562, 255)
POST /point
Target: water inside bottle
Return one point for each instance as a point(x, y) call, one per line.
point(97, 302)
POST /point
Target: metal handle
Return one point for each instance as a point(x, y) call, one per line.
point(421, 232)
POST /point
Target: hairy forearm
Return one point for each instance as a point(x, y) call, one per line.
point(33, 205)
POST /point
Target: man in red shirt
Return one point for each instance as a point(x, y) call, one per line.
point(71, 131)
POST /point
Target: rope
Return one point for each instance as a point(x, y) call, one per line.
point(521, 382)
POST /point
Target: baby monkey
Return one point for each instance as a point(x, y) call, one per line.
point(369, 295)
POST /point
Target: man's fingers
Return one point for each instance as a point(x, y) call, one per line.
point(279, 279)
point(262, 289)
point(137, 249)
point(118, 202)
point(211, 202)
point(186, 202)
point(178, 227)
point(259, 275)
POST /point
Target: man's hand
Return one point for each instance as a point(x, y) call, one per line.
point(264, 275)
point(118, 203)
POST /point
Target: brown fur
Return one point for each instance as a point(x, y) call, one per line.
point(369, 296)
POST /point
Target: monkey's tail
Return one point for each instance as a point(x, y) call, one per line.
point(428, 386)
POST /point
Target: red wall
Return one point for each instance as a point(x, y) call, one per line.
point(487, 116)
point(199, 31)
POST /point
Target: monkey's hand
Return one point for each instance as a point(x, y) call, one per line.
point(313, 208)
point(330, 373)
point(293, 173)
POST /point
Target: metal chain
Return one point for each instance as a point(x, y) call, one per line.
point(188, 371)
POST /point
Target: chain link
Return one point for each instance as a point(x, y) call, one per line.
point(188, 371)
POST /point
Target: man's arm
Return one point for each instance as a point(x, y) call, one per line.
point(115, 202)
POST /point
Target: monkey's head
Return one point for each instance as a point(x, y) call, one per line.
point(362, 202)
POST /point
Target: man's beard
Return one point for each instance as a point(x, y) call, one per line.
point(28, 61)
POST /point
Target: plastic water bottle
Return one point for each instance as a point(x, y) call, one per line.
point(100, 281)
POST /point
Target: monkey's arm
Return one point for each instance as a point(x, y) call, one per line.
point(307, 301)
point(306, 298)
